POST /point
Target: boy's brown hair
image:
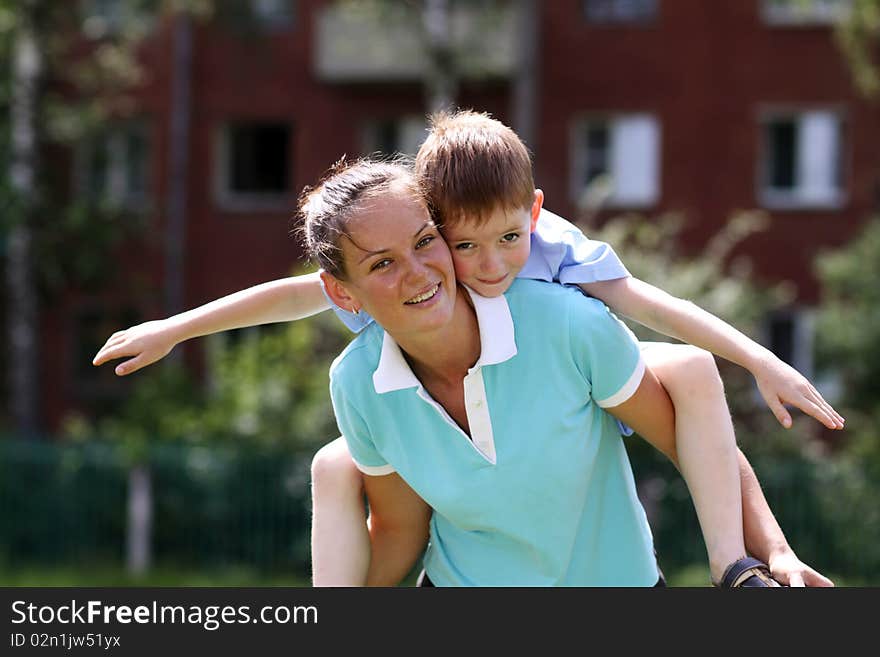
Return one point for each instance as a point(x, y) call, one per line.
point(472, 164)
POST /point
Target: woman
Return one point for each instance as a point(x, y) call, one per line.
point(444, 405)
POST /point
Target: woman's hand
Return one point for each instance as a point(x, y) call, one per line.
point(147, 343)
point(781, 384)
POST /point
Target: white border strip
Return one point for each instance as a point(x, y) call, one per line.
point(627, 390)
point(376, 470)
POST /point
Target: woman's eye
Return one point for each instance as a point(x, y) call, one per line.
point(464, 246)
point(427, 239)
point(510, 237)
point(380, 264)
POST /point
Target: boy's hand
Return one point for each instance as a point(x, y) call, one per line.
point(786, 568)
point(147, 342)
point(781, 384)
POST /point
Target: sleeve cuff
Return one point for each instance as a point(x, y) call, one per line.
point(627, 390)
point(376, 470)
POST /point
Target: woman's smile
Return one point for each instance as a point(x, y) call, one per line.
point(425, 296)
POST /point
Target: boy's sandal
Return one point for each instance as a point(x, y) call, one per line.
point(747, 572)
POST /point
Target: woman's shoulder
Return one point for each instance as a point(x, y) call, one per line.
point(533, 295)
point(360, 357)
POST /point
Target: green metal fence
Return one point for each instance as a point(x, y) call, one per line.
point(66, 504)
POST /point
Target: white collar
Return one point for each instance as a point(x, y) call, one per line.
point(497, 344)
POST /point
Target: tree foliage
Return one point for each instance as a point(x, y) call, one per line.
point(848, 339)
point(858, 37)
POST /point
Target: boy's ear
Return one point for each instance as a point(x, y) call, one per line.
point(338, 293)
point(537, 204)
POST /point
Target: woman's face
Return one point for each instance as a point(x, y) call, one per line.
point(398, 267)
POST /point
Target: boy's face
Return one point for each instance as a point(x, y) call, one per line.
point(487, 257)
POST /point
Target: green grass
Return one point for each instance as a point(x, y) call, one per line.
point(162, 575)
point(696, 575)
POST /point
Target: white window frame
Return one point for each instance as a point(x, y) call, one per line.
point(275, 13)
point(812, 188)
point(622, 126)
point(100, 19)
point(804, 13)
point(115, 140)
point(229, 200)
point(617, 17)
point(412, 131)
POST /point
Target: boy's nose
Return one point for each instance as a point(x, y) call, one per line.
point(491, 264)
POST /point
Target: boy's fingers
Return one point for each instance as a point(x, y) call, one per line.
point(817, 412)
point(818, 399)
point(112, 342)
point(120, 351)
point(131, 365)
point(796, 580)
point(779, 411)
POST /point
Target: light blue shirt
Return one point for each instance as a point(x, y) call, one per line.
point(542, 493)
point(559, 252)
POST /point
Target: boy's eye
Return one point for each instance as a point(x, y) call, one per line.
point(427, 239)
point(380, 264)
point(510, 237)
point(464, 246)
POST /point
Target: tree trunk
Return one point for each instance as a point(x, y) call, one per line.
point(178, 165)
point(140, 490)
point(525, 91)
point(140, 520)
point(441, 79)
point(22, 314)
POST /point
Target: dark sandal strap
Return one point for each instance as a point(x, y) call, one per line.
point(743, 569)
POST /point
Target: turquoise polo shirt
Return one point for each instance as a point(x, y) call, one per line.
point(542, 493)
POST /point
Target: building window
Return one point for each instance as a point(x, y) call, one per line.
point(394, 136)
point(275, 13)
point(255, 164)
point(619, 157)
point(620, 11)
point(113, 167)
point(802, 163)
point(104, 18)
point(789, 335)
point(805, 12)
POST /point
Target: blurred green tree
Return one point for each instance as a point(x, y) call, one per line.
point(858, 36)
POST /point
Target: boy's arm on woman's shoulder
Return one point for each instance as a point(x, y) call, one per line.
point(778, 382)
point(286, 299)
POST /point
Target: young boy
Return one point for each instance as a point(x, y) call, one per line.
point(478, 180)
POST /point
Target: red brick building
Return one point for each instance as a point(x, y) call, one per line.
point(699, 107)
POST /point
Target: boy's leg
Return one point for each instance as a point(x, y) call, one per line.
point(706, 446)
point(340, 538)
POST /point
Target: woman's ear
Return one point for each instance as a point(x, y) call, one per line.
point(537, 204)
point(338, 293)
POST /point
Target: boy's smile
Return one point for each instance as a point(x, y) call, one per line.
point(488, 255)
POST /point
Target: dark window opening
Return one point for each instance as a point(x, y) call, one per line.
point(782, 147)
point(259, 158)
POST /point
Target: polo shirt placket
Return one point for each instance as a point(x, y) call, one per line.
point(394, 373)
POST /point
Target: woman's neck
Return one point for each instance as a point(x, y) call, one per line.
point(445, 355)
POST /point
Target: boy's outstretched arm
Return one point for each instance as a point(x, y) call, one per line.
point(283, 300)
point(778, 382)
